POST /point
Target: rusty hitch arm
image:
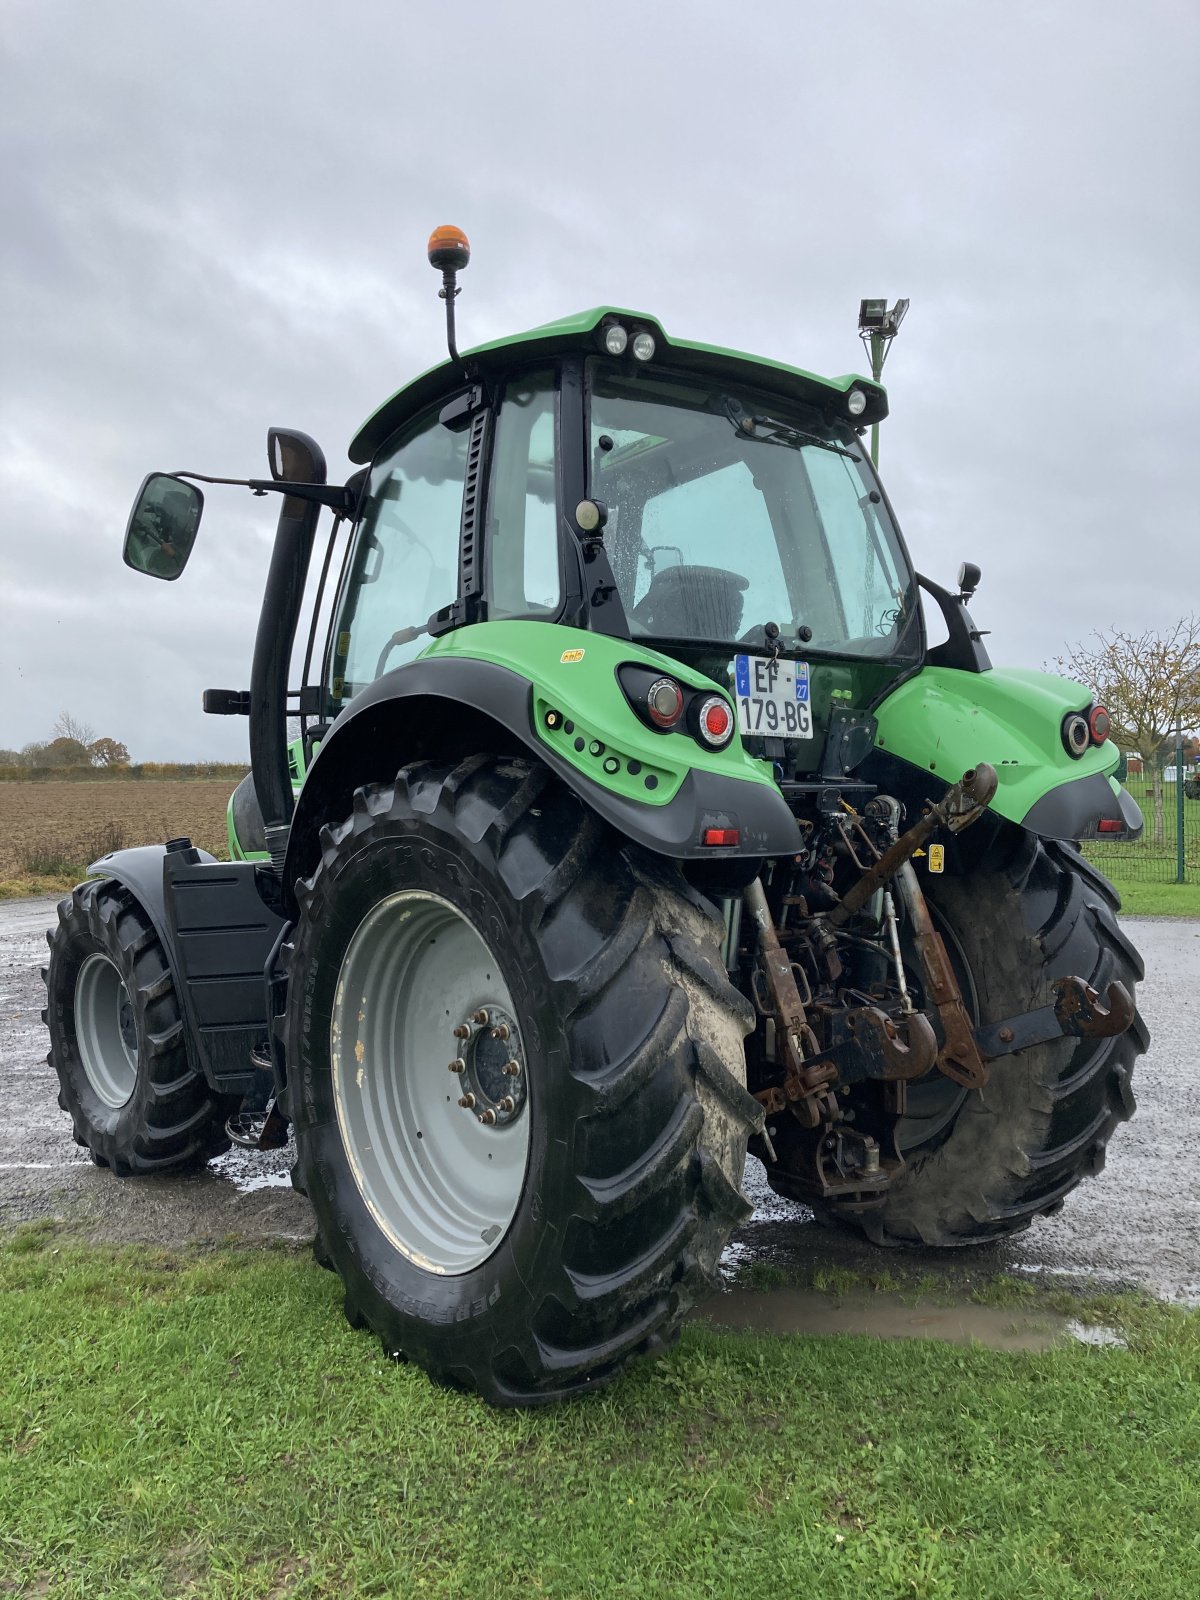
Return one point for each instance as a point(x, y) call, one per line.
point(1077, 1012)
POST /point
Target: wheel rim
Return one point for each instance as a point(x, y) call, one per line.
point(105, 1031)
point(442, 1180)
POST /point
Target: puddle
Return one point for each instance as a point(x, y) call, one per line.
point(251, 1170)
point(888, 1317)
point(1086, 1333)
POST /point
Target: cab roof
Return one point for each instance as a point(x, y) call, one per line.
point(578, 334)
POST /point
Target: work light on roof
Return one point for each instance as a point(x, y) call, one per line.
point(615, 339)
point(643, 346)
point(856, 402)
point(872, 314)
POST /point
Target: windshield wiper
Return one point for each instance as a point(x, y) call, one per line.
point(769, 430)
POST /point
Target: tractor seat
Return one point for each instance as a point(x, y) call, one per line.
point(692, 603)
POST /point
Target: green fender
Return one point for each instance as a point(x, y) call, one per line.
point(944, 721)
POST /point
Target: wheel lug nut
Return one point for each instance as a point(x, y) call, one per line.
point(466, 1101)
point(458, 1065)
point(501, 1032)
point(481, 1018)
point(463, 1031)
point(508, 1104)
point(512, 1069)
point(488, 1116)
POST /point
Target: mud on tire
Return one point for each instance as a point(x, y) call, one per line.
point(1028, 913)
point(117, 1040)
point(638, 1114)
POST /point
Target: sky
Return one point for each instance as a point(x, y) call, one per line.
point(214, 220)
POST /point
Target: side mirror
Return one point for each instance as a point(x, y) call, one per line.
point(162, 526)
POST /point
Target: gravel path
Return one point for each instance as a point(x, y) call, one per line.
point(1138, 1223)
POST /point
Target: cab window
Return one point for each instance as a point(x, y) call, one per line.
point(403, 564)
point(522, 573)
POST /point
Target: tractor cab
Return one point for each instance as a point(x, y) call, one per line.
point(718, 510)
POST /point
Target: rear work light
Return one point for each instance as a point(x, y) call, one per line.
point(664, 703)
point(1076, 735)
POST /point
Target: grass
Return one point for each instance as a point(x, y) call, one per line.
point(206, 1424)
point(1139, 899)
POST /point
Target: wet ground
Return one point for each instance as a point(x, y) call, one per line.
point(1137, 1224)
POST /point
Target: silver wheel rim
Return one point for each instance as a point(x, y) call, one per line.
point(442, 1179)
point(105, 1031)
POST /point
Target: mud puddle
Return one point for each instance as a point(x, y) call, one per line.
point(886, 1316)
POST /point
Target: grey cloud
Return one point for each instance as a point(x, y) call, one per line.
point(217, 218)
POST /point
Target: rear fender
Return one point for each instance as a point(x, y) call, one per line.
point(660, 790)
point(942, 721)
point(218, 924)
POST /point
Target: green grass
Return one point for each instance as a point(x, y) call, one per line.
point(1157, 899)
point(206, 1424)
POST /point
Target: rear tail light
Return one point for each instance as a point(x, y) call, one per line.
point(713, 721)
point(667, 706)
point(720, 836)
point(1099, 724)
point(1110, 825)
point(664, 703)
point(1076, 735)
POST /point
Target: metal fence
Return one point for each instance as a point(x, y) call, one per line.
point(1169, 848)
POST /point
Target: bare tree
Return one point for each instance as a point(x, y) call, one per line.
point(1150, 683)
point(68, 727)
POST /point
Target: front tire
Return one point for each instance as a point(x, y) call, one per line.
point(488, 887)
point(117, 1040)
point(1028, 913)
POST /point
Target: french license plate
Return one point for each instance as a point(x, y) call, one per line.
point(772, 697)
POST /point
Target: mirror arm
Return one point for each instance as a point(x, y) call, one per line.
point(343, 500)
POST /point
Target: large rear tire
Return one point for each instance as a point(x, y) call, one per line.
point(530, 1257)
point(117, 1040)
point(1030, 912)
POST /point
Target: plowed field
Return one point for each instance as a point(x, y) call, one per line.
point(50, 831)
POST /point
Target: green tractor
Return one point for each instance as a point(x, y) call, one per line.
point(633, 825)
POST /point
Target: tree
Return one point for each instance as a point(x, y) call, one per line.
point(68, 727)
point(1150, 683)
point(108, 753)
point(65, 752)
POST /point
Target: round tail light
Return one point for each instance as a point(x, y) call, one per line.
point(714, 721)
point(1099, 724)
point(1076, 734)
point(664, 703)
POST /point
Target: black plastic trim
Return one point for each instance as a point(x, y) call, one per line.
point(1075, 809)
point(964, 648)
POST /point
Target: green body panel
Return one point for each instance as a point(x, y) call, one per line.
point(945, 721)
point(297, 767)
point(586, 693)
point(578, 334)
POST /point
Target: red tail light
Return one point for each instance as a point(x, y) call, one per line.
point(719, 836)
point(1110, 825)
point(1099, 724)
point(712, 720)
